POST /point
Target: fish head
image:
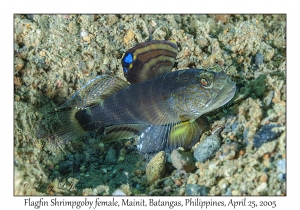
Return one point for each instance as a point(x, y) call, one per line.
point(204, 91)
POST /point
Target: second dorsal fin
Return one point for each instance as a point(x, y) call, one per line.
point(94, 92)
point(148, 60)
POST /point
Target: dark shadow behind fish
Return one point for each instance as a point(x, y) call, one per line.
point(161, 107)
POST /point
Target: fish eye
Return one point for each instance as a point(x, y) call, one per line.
point(206, 80)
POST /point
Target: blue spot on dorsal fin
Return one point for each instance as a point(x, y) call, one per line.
point(128, 58)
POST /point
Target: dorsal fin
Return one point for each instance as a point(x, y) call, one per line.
point(148, 60)
point(94, 92)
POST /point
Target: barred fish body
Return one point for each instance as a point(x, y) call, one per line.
point(163, 108)
point(163, 100)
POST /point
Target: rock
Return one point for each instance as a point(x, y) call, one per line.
point(221, 18)
point(263, 178)
point(129, 36)
point(207, 148)
point(235, 192)
point(223, 184)
point(281, 166)
point(245, 134)
point(265, 134)
point(19, 63)
point(118, 192)
point(193, 179)
point(153, 23)
point(111, 19)
point(234, 127)
point(183, 160)
point(259, 59)
point(125, 188)
point(155, 169)
point(228, 150)
point(268, 99)
point(261, 187)
point(194, 189)
point(228, 192)
point(111, 156)
point(281, 177)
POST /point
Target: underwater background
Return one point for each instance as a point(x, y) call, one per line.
point(55, 55)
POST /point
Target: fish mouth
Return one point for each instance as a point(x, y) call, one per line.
point(226, 93)
point(223, 96)
point(230, 93)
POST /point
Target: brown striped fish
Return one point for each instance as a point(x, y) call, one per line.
point(161, 107)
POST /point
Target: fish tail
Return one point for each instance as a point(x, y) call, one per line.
point(75, 118)
point(61, 126)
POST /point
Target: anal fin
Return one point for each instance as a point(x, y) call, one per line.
point(122, 131)
point(156, 138)
point(153, 138)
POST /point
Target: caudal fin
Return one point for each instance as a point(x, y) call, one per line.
point(60, 125)
point(68, 125)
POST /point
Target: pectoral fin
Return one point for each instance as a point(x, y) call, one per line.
point(185, 134)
